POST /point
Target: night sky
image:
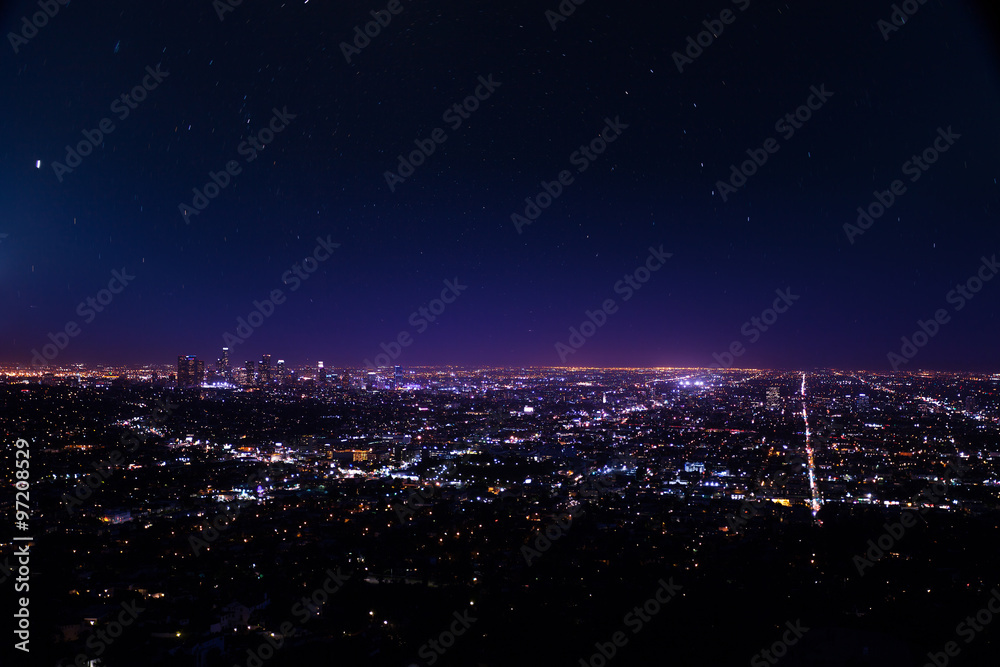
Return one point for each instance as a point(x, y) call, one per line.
point(607, 67)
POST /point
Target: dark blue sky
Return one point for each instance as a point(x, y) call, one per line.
point(323, 175)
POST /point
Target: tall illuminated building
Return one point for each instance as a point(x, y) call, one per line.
point(320, 373)
point(248, 374)
point(282, 372)
point(187, 371)
point(222, 365)
point(264, 370)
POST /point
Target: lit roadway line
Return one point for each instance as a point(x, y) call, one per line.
point(809, 453)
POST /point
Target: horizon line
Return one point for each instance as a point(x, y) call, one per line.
point(27, 369)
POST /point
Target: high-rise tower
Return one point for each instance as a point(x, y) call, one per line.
point(187, 371)
point(264, 370)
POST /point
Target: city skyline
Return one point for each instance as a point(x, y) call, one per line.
point(451, 334)
point(34, 371)
point(856, 512)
